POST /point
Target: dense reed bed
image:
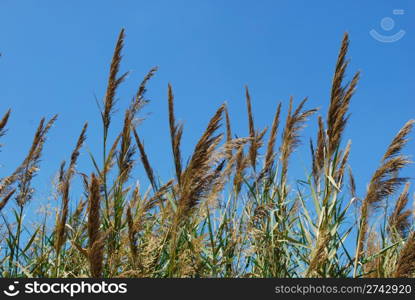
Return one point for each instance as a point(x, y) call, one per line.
point(230, 211)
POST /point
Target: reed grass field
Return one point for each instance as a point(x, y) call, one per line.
point(230, 210)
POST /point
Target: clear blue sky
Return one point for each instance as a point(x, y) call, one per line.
point(56, 58)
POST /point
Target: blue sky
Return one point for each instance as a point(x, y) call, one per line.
point(56, 58)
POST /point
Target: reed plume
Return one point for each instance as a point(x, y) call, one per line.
point(384, 182)
point(339, 173)
point(242, 163)
point(176, 132)
point(96, 238)
point(198, 177)
point(75, 218)
point(5, 184)
point(150, 202)
point(339, 100)
point(145, 161)
point(318, 155)
point(113, 83)
point(127, 151)
point(319, 254)
point(139, 101)
point(228, 132)
point(291, 136)
point(3, 123)
point(352, 184)
point(226, 170)
point(6, 199)
point(270, 153)
point(399, 219)
point(64, 187)
point(131, 233)
point(110, 157)
point(405, 266)
point(30, 166)
point(252, 134)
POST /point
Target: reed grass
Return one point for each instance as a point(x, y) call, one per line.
point(231, 211)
